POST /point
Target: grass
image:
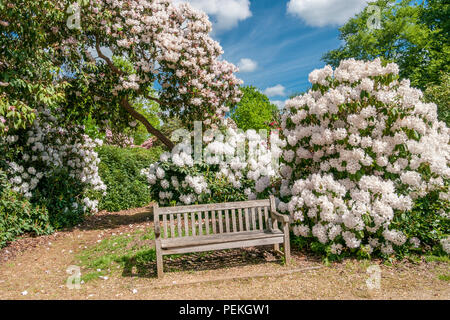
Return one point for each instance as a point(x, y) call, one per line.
point(117, 254)
point(432, 258)
point(131, 254)
point(444, 277)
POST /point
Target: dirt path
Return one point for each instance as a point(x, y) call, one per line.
point(36, 269)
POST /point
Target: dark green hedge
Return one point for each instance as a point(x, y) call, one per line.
point(19, 216)
point(120, 169)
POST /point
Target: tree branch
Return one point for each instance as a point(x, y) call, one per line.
point(107, 60)
point(127, 106)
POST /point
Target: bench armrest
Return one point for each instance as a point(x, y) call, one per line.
point(275, 215)
point(280, 217)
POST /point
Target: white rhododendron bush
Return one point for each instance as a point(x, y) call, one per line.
point(362, 148)
point(235, 166)
point(55, 165)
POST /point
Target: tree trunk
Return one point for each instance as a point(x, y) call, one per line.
point(126, 105)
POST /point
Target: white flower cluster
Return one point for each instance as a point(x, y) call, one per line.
point(244, 160)
point(361, 147)
point(46, 147)
point(185, 189)
point(246, 155)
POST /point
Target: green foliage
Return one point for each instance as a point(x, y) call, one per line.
point(168, 127)
point(60, 193)
point(413, 35)
point(440, 94)
point(120, 169)
point(427, 222)
point(254, 111)
point(18, 216)
point(29, 63)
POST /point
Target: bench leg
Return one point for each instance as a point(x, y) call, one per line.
point(287, 245)
point(159, 260)
point(276, 247)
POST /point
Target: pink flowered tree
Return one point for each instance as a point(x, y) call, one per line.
point(165, 46)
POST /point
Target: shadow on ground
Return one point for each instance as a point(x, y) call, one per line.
point(106, 220)
point(138, 267)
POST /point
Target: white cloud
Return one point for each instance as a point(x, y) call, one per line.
point(278, 90)
point(225, 14)
point(280, 104)
point(247, 65)
point(319, 13)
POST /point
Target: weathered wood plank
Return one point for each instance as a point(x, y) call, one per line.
point(193, 224)
point(218, 206)
point(241, 222)
point(247, 219)
point(253, 218)
point(219, 238)
point(186, 225)
point(207, 222)
point(165, 226)
point(213, 221)
point(233, 218)
point(200, 224)
point(172, 226)
point(220, 212)
point(227, 221)
point(180, 232)
point(223, 246)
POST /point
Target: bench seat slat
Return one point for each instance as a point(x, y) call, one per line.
point(224, 245)
point(219, 238)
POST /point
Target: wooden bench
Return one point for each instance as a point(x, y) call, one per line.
point(211, 227)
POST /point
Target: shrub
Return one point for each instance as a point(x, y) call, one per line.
point(225, 175)
point(364, 159)
point(53, 164)
point(120, 170)
point(19, 216)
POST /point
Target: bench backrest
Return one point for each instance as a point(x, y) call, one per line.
point(198, 220)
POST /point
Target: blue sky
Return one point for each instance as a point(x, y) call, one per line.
point(281, 41)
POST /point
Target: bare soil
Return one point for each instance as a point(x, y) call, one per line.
point(35, 268)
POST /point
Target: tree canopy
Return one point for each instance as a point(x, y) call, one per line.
point(254, 111)
point(110, 53)
point(413, 35)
